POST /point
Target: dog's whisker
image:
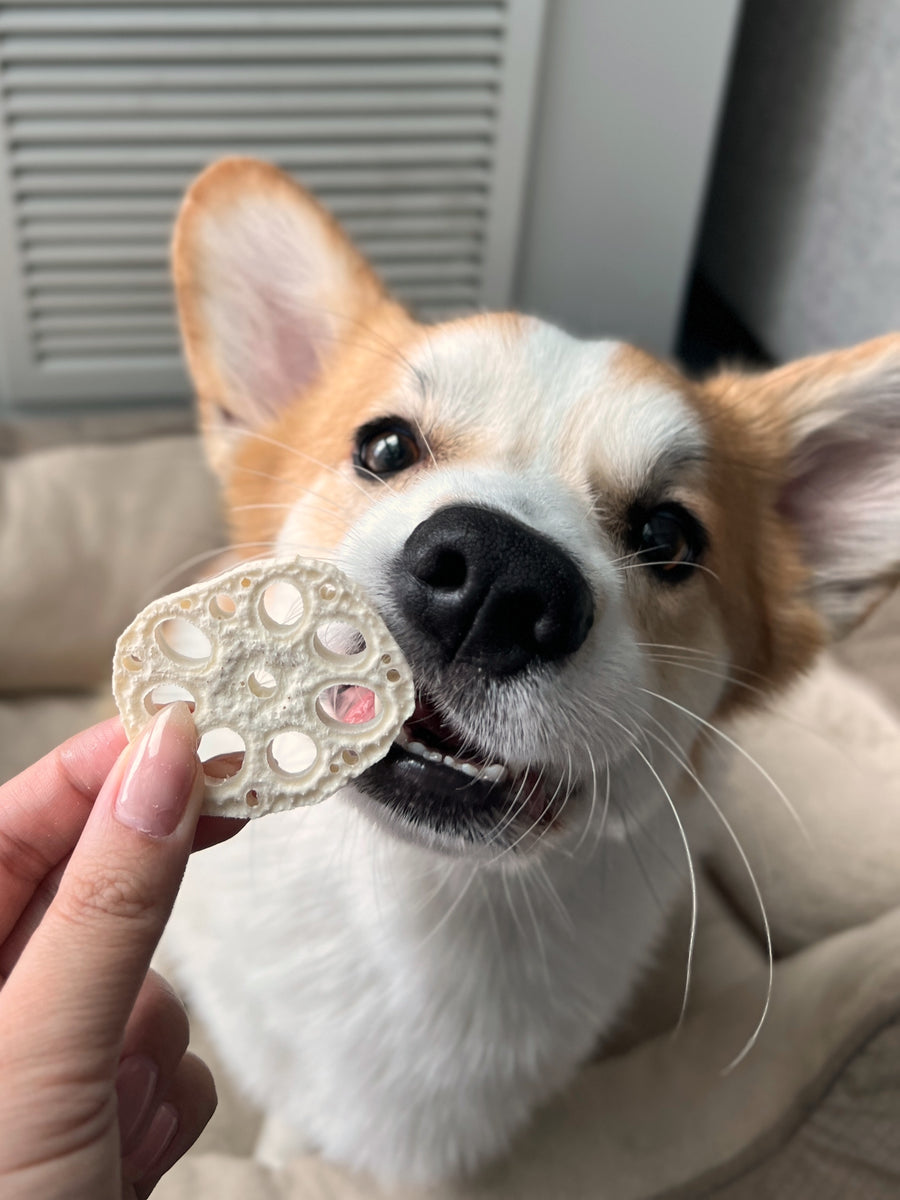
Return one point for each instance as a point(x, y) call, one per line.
point(321, 505)
point(380, 345)
point(488, 904)
point(606, 801)
point(724, 676)
point(512, 808)
point(693, 880)
point(280, 480)
point(547, 807)
point(390, 351)
point(636, 566)
point(538, 938)
point(375, 478)
point(679, 756)
point(514, 912)
point(515, 806)
point(697, 652)
point(589, 821)
point(195, 560)
point(451, 908)
point(537, 820)
point(298, 492)
point(567, 794)
point(740, 749)
point(443, 880)
point(344, 476)
point(631, 843)
point(542, 878)
point(425, 442)
point(764, 695)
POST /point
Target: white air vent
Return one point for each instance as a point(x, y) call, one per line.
point(410, 120)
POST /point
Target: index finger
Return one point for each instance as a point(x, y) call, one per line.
point(43, 811)
point(82, 968)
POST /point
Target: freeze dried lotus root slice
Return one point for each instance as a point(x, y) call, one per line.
point(295, 682)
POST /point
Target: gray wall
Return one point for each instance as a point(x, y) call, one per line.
point(802, 236)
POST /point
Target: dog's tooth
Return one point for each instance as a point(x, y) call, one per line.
point(416, 748)
point(495, 772)
point(469, 769)
point(434, 756)
point(451, 762)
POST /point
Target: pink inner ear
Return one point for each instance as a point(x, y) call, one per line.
point(845, 501)
point(272, 354)
point(295, 361)
point(267, 271)
point(829, 471)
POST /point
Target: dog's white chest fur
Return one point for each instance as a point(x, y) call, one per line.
point(406, 1014)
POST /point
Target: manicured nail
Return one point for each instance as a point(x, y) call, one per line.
point(155, 1141)
point(160, 775)
point(135, 1084)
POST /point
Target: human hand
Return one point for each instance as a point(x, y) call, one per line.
point(98, 1097)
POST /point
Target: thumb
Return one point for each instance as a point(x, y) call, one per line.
point(79, 975)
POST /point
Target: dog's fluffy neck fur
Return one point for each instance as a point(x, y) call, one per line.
point(469, 997)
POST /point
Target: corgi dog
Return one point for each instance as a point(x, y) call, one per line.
point(583, 555)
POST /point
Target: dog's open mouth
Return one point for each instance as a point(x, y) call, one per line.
point(434, 779)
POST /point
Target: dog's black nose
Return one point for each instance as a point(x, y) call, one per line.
point(488, 591)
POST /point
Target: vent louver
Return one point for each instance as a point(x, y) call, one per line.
point(409, 120)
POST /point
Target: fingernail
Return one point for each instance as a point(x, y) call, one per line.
point(160, 774)
point(135, 1084)
point(155, 1141)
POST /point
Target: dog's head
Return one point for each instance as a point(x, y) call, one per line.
point(585, 556)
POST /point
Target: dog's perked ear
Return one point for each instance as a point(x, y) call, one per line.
point(268, 286)
point(834, 420)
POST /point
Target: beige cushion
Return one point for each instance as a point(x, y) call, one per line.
point(833, 747)
point(663, 1120)
point(873, 650)
point(89, 535)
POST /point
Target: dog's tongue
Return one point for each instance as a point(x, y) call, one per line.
point(356, 705)
point(428, 724)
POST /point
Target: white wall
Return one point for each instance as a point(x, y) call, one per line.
point(625, 128)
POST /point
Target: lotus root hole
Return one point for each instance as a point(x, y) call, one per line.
point(132, 662)
point(184, 603)
point(167, 693)
point(222, 753)
point(182, 642)
point(393, 675)
point(262, 683)
point(291, 753)
point(280, 606)
point(252, 798)
point(385, 658)
point(348, 704)
point(338, 640)
point(327, 591)
point(350, 757)
point(222, 606)
point(245, 582)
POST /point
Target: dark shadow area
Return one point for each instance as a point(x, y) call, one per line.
point(712, 333)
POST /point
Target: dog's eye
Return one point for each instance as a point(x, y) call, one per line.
point(669, 540)
point(385, 447)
